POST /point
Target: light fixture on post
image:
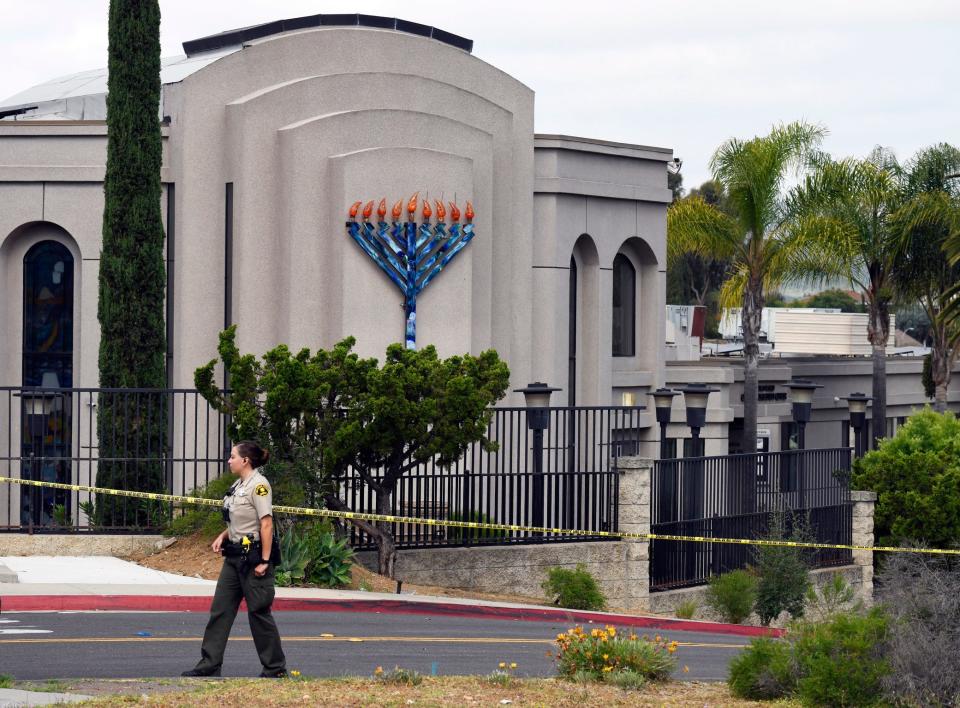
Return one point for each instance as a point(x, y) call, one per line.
point(857, 405)
point(695, 401)
point(801, 396)
point(537, 398)
point(663, 403)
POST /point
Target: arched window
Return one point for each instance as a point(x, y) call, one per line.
point(48, 316)
point(47, 363)
point(624, 306)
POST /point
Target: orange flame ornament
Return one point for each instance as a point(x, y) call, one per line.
point(354, 209)
point(469, 213)
point(397, 208)
point(382, 209)
point(368, 210)
point(454, 212)
point(441, 212)
point(427, 212)
point(412, 206)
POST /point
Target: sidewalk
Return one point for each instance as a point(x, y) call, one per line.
point(103, 583)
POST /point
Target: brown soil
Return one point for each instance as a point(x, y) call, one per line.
point(192, 556)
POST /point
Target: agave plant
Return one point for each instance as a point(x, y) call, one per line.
point(294, 558)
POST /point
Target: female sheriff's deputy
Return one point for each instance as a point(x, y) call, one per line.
point(249, 556)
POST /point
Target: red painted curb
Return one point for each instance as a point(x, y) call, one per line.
point(164, 603)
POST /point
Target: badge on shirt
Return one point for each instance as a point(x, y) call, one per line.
point(261, 490)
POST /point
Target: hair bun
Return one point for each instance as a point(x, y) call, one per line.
point(266, 457)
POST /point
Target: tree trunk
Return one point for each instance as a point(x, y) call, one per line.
point(878, 332)
point(941, 362)
point(750, 319)
point(386, 545)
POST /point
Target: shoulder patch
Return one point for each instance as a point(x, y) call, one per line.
point(261, 490)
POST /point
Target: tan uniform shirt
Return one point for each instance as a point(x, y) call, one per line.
point(250, 502)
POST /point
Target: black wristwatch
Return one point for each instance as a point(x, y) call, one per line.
point(264, 562)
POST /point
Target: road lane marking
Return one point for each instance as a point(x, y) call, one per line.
point(420, 640)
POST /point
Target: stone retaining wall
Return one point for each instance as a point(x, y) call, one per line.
point(16, 544)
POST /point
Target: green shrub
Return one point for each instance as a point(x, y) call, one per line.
point(601, 653)
point(206, 519)
point(916, 475)
point(840, 661)
point(457, 533)
point(6, 681)
point(831, 597)
point(732, 595)
point(782, 571)
point(763, 671)
point(403, 677)
point(330, 558)
point(574, 589)
point(627, 679)
point(294, 557)
point(686, 609)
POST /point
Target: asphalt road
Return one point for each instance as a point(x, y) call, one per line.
point(62, 645)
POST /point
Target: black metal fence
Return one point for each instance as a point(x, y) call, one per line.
point(576, 486)
point(739, 496)
point(157, 440)
point(53, 435)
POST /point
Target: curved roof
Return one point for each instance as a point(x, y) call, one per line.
point(82, 96)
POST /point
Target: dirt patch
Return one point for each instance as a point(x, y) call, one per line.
point(193, 557)
point(453, 691)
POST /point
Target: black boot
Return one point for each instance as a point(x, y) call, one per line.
point(273, 674)
point(201, 672)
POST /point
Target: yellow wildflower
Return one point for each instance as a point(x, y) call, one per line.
point(658, 639)
point(503, 664)
point(671, 648)
point(608, 668)
point(686, 669)
point(294, 673)
point(513, 664)
point(606, 656)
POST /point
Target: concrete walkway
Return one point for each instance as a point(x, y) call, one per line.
point(14, 698)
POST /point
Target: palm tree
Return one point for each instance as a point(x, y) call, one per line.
point(929, 218)
point(758, 233)
point(861, 198)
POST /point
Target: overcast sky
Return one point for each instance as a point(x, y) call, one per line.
point(683, 75)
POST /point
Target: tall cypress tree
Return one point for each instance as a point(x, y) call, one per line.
point(132, 428)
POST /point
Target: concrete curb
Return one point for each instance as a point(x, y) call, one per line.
point(181, 603)
point(16, 697)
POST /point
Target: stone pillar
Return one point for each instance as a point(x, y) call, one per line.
point(635, 474)
point(863, 503)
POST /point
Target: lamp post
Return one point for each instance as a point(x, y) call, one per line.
point(691, 503)
point(801, 396)
point(537, 398)
point(857, 404)
point(663, 402)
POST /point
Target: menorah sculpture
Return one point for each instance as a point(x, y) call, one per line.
point(411, 254)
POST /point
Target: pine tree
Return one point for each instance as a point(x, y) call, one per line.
point(132, 271)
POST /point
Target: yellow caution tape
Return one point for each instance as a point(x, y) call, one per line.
point(364, 516)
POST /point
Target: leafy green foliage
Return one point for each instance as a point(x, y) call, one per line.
point(763, 671)
point(294, 558)
point(6, 681)
point(400, 676)
point(599, 655)
point(330, 559)
point(926, 377)
point(207, 520)
point(686, 609)
point(782, 571)
point(574, 589)
point(325, 414)
point(132, 279)
point(732, 595)
point(830, 598)
point(836, 299)
point(840, 661)
point(916, 475)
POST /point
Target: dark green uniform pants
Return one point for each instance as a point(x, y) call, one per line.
point(234, 585)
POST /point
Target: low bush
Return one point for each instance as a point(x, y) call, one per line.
point(831, 597)
point(574, 589)
point(403, 677)
point(763, 671)
point(922, 597)
point(294, 557)
point(330, 558)
point(686, 609)
point(605, 652)
point(732, 595)
point(782, 571)
point(840, 662)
